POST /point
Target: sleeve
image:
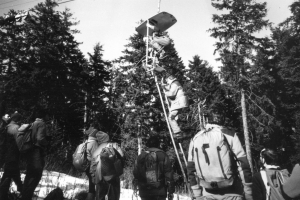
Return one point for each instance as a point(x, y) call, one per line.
point(258, 188)
point(118, 148)
point(291, 187)
point(41, 134)
point(243, 164)
point(134, 172)
point(191, 169)
point(171, 93)
point(91, 148)
point(168, 172)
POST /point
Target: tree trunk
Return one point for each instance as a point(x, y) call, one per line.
point(246, 132)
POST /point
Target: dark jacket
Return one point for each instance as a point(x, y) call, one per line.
point(259, 189)
point(12, 153)
point(39, 131)
point(166, 175)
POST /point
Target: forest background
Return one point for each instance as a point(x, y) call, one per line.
point(41, 65)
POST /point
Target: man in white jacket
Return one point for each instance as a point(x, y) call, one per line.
point(177, 101)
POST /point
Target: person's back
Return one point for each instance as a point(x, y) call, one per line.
point(153, 173)
point(91, 146)
point(11, 166)
point(212, 165)
point(267, 184)
point(35, 156)
point(110, 188)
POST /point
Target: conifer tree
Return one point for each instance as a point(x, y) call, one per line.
point(44, 67)
point(235, 32)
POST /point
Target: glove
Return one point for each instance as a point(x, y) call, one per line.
point(197, 190)
point(170, 196)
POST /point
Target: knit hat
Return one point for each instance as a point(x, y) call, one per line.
point(91, 132)
point(102, 137)
point(16, 117)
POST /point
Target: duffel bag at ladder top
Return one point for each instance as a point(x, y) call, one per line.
point(80, 161)
point(212, 159)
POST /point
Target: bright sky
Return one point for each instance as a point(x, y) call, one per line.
point(112, 22)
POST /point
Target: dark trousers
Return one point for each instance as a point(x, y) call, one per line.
point(92, 187)
point(34, 170)
point(112, 189)
point(11, 172)
point(153, 198)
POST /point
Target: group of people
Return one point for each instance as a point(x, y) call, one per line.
point(217, 169)
point(33, 157)
point(156, 182)
point(217, 166)
point(100, 188)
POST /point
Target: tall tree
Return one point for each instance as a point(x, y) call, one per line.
point(96, 84)
point(202, 85)
point(286, 38)
point(44, 68)
point(235, 32)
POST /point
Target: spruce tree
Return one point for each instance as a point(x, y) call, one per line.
point(235, 32)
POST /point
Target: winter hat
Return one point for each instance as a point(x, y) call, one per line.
point(102, 137)
point(16, 117)
point(91, 132)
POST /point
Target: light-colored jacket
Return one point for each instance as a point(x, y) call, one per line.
point(91, 146)
point(176, 95)
point(243, 166)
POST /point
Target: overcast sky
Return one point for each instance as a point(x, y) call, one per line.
point(112, 22)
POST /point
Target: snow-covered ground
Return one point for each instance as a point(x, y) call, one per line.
point(71, 186)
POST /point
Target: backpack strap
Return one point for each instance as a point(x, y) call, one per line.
point(263, 174)
point(196, 150)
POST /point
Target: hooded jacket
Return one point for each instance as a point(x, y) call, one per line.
point(176, 95)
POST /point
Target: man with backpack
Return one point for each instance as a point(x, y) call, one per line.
point(153, 173)
point(91, 146)
point(11, 165)
point(107, 167)
point(35, 156)
point(217, 163)
point(267, 184)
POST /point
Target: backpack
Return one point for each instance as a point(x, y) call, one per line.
point(273, 180)
point(3, 145)
point(80, 161)
point(214, 160)
point(24, 138)
point(111, 162)
point(148, 170)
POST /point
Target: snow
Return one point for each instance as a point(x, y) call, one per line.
point(71, 186)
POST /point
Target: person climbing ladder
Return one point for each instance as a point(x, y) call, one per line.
point(177, 101)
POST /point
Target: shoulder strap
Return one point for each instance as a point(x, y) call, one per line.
point(232, 154)
point(265, 180)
